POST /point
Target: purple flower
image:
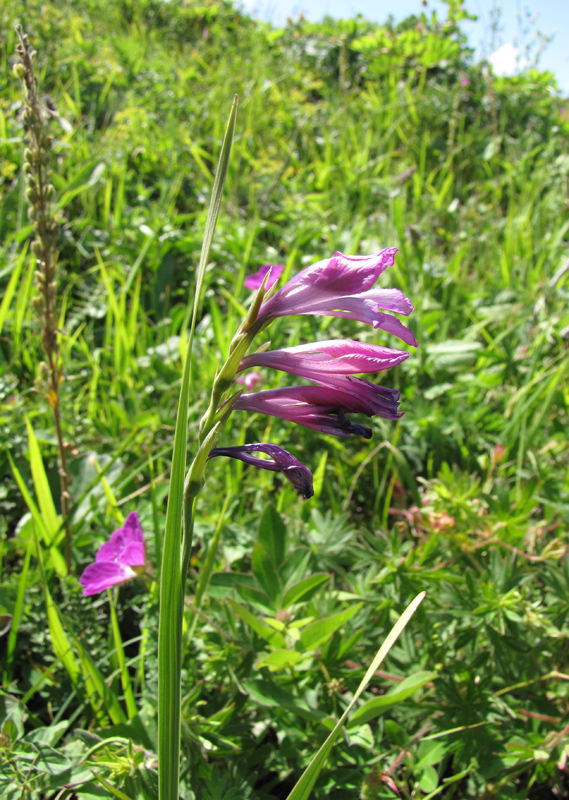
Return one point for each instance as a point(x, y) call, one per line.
point(323, 408)
point(120, 559)
point(280, 461)
point(254, 282)
point(465, 82)
point(341, 286)
point(250, 381)
point(320, 361)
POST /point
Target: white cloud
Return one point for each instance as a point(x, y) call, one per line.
point(506, 61)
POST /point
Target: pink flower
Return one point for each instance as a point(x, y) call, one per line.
point(119, 560)
point(254, 282)
point(250, 381)
point(341, 286)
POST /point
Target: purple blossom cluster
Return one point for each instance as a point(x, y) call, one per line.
point(341, 286)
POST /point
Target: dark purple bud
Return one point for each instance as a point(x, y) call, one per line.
point(280, 460)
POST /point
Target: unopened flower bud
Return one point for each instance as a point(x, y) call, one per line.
point(36, 247)
point(28, 169)
point(43, 370)
point(37, 304)
point(31, 194)
point(49, 191)
point(31, 213)
point(19, 70)
point(28, 155)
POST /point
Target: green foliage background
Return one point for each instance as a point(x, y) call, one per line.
point(350, 136)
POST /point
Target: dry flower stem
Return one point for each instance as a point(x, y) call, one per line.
point(39, 194)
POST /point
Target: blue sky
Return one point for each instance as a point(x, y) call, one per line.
point(519, 23)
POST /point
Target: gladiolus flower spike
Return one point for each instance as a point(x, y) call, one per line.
point(119, 560)
point(340, 286)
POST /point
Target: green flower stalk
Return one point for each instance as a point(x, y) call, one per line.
point(40, 193)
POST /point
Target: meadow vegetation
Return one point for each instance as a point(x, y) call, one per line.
point(350, 136)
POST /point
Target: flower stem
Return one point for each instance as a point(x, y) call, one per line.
point(39, 194)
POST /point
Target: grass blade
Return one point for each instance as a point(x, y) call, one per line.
point(304, 786)
point(172, 581)
point(125, 677)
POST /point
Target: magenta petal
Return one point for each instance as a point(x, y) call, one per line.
point(111, 550)
point(133, 555)
point(117, 549)
point(343, 274)
point(102, 575)
point(322, 359)
point(255, 281)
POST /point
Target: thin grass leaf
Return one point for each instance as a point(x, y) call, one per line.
point(55, 559)
point(306, 783)
point(17, 615)
point(11, 288)
point(41, 485)
point(172, 581)
point(110, 788)
point(95, 684)
point(125, 677)
point(212, 215)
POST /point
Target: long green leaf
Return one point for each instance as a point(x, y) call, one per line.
point(212, 214)
point(60, 642)
point(377, 705)
point(17, 615)
point(95, 682)
point(41, 485)
point(320, 631)
point(308, 778)
point(55, 559)
point(11, 288)
point(125, 677)
point(172, 581)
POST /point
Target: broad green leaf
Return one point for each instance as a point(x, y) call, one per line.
point(271, 695)
point(280, 659)
point(272, 535)
point(265, 572)
point(267, 633)
point(307, 586)
point(304, 786)
point(376, 706)
point(320, 631)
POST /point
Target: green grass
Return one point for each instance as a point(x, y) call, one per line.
point(349, 136)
